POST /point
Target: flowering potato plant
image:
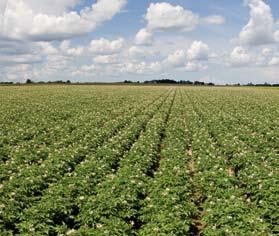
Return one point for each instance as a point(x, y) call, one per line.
point(138, 160)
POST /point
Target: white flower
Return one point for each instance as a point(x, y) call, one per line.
point(99, 226)
point(71, 231)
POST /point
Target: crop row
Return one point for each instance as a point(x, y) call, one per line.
point(22, 191)
point(114, 208)
point(234, 212)
point(40, 132)
point(169, 207)
point(79, 160)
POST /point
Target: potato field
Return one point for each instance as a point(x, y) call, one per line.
point(139, 160)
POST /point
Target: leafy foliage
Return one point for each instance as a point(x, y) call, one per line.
point(113, 160)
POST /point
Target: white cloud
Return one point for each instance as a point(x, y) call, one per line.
point(55, 63)
point(75, 51)
point(164, 16)
point(87, 70)
point(19, 72)
point(240, 57)
point(105, 46)
point(198, 51)
point(260, 28)
point(267, 51)
point(104, 10)
point(118, 69)
point(105, 59)
point(136, 52)
point(65, 48)
point(51, 7)
point(253, 57)
point(190, 60)
point(142, 68)
point(22, 19)
point(48, 48)
point(194, 66)
point(214, 20)
point(274, 61)
point(144, 37)
point(176, 59)
point(156, 66)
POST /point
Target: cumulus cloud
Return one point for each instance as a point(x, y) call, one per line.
point(22, 19)
point(165, 16)
point(105, 59)
point(29, 26)
point(66, 49)
point(274, 61)
point(137, 52)
point(239, 57)
point(194, 66)
point(198, 51)
point(51, 7)
point(260, 57)
point(142, 68)
point(86, 70)
point(144, 37)
point(118, 69)
point(64, 46)
point(105, 46)
point(260, 28)
point(48, 48)
point(191, 60)
point(176, 59)
point(20, 72)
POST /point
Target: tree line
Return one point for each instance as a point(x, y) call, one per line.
point(156, 81)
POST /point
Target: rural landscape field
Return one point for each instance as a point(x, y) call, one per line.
point(139, 118)
point(139, 160)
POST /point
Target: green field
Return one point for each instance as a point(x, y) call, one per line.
point(139, 160)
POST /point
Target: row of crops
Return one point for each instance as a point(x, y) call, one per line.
point(112, 160)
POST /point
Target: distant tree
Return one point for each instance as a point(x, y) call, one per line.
point(199, 83)
point(29, 81)
point(68, 81)
point(128, 81)
point(185, 82)
point(160, 81)
point(6, 82)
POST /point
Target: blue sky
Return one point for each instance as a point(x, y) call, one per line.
point(114, 40)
